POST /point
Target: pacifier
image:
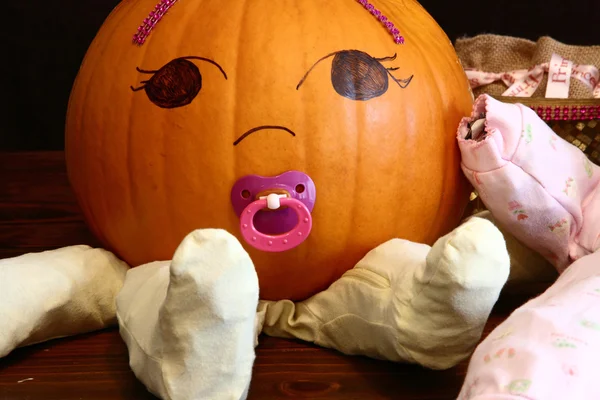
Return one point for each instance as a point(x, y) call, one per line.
point(275, 212)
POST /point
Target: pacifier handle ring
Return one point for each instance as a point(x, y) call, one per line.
point(276, 243)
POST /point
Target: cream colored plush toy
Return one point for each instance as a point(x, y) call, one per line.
point(57, 293)
point(191, 324)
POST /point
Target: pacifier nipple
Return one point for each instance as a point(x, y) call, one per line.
point(273, 200)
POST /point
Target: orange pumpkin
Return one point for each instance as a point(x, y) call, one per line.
point(158, 134)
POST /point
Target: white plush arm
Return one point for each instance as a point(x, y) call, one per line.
point(57, 293)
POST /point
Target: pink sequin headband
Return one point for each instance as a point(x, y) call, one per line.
point(163, 7)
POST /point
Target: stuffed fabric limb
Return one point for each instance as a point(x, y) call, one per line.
point(58, 293)
point(526, 265)
point(544, 191)
point(548, 348)
point(189, 324)
point(540, 188)
point(405, 302)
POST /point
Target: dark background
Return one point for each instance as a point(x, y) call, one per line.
point(43, 43)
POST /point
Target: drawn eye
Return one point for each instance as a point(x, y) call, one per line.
point(358, 76)
point(175, 84)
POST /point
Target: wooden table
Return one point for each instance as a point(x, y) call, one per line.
point(38, 212)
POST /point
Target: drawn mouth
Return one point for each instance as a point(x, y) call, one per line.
point(260, 128)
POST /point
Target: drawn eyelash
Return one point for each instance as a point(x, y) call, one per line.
point(400, 82)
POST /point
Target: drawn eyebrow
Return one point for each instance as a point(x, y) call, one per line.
point(403, 83)
point(208, 60)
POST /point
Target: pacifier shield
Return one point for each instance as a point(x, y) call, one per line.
point(274, 223)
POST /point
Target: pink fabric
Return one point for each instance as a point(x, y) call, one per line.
point(538, 186)
point(547, 349)
point(545, 192)
point(524, 82)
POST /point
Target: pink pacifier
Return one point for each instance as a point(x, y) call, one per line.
point(275, 212)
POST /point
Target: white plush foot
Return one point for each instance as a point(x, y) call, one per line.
point(404, 301)
point(454, 293)
point(190, 324)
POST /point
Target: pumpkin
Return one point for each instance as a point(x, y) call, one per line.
point(314, 108)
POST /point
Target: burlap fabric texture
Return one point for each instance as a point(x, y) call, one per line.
point(495, 53)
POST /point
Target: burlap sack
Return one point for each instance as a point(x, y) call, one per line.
point(494, 53)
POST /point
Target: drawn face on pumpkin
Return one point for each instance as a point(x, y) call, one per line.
point(347, 135)
point(275, 212)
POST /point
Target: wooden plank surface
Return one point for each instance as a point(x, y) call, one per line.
point(38, 212)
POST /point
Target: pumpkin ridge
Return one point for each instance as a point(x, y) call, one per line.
point(131, 188)
point(359, 135)
point(235, 126)
point(183, 23)
point(437, 101)
point(90, 216)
